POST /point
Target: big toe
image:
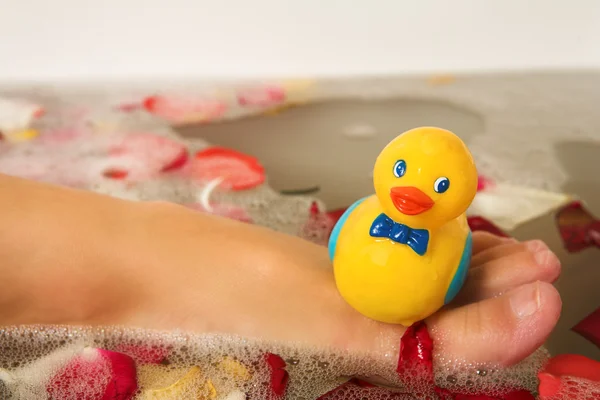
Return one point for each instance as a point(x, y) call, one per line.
point(501, 330)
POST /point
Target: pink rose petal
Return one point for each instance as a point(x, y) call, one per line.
point(188, 110)
point(484, 183)
point(145, 154)
point(261, 97)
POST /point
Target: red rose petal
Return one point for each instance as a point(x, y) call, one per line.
point(416, 351)
point(574, 239)
point(578, 228)
point(549, 385)
point(518, 394)
point(39, 112)
point(415, 368)
point(483, 183)
point(123, 385)
point(335, 215)
point(521, 394)
point(415, 362)
point(279, 376)
point(314, 209)
point(589, 327)
point(513, 395)
point(115, 173)
point(275, 362)
point(361, 383)
point(237, 170)
point(82, 377)
point(178, 162)
point(149, 103)
point(567, 388)
point(356, 389)
point(482, 224)
point(144, 354)
point(573, 365)
point(318, 227)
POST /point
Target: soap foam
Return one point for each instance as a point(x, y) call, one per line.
point(231, 364)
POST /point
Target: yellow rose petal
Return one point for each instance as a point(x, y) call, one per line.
point(277, 110)
point(298, 84)
point(210, 390)
point(298, 91)
point(103, 127)
point(235, 368)
point(22, 136)
point(439, 80)
point(192, 386)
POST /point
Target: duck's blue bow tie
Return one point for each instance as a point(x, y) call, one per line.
point(385, 227)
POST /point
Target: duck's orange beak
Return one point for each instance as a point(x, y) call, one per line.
point(409, 200)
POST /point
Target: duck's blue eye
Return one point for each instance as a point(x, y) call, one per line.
point(441, 184)
point(400, 168)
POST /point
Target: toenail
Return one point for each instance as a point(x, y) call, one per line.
point(525, 301)
point(541, 253)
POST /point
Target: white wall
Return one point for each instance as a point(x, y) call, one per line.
point(121, 39)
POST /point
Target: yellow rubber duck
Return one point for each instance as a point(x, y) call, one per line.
point(402, 253)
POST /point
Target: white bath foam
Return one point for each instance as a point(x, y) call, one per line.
point(235, 395)
point(29, 380)
point(232, 364)
point(509, 206)
point(17, 114)
point(454, 374)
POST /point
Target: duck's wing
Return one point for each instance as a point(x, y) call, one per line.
point(461, 273)
point(338, 227)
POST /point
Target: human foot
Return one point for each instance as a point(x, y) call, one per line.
point(250, 281)
point(166, 267)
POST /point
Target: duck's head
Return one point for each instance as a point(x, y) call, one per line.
point(425, 178)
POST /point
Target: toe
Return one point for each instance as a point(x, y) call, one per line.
point(485, 240)
point(498, 331)
point(508, 267)
point(498, 251)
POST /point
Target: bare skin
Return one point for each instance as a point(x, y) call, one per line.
point(73, 257)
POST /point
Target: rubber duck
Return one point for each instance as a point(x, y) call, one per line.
point(401, 254)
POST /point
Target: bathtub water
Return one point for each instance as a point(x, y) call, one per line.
point(137, 157)
point(82, 160)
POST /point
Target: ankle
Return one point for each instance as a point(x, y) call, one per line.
point(68, 268)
